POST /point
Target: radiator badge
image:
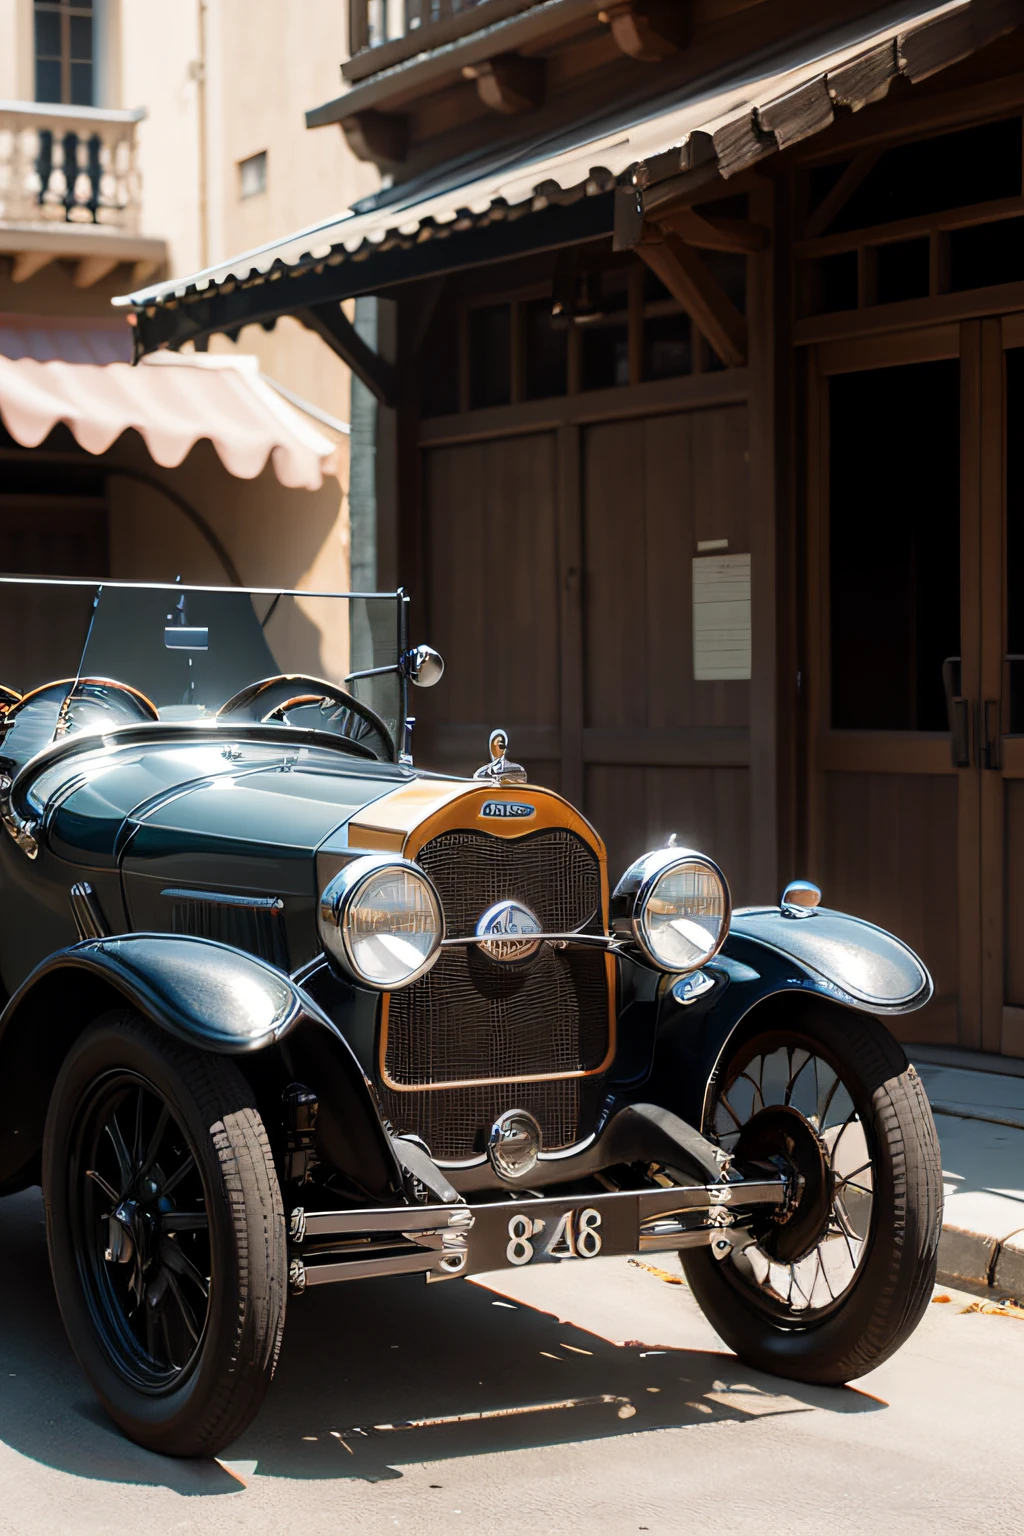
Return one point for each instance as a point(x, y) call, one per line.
point(512, 808)
point(506, 928)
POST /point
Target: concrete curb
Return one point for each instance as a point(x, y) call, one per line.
point(981, 1259)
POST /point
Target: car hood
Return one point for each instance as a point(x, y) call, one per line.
point(203, 806)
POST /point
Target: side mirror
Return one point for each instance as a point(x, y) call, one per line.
point(423, 666)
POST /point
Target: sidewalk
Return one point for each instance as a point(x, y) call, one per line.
point(979, 1114)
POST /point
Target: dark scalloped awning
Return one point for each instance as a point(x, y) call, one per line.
point(560, 192)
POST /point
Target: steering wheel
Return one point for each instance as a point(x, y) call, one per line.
point(87, 703)
point(337, 711)
point(8, 698)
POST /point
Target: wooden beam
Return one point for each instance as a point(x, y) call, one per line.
point(509, 83)
point(709, 233)
point(141, 270)
point(860, 167)
point(92, 270)
point(27, 263)
point(377, 136)
point(648, 30)
point(331, 325)
point(687, 279)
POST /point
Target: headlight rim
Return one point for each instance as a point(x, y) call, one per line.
point(655, 866)
point(337, 898)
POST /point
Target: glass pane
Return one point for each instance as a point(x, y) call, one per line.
point(81, 38)
point(895, 544)
point(547, 352)
point(81, 85)
point(1015, 539)
point(47, 80)
point(490, 356)
point(47, 35)
point(190, 650)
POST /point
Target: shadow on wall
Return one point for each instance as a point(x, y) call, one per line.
point(376, 1375)
point(274, 536)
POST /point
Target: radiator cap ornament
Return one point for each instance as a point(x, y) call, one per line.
point(514, 1144)
point(499, 768)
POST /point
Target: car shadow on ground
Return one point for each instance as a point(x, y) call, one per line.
point(373, 1376)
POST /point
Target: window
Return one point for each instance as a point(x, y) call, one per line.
point(895, 545)
point(63, 49)
point(252, 175)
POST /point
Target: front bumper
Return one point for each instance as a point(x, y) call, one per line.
point(445, 1241)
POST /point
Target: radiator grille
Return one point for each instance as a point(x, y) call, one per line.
point(474, 1018)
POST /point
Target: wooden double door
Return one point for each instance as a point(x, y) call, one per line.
point(914, 647)
point(558, 572)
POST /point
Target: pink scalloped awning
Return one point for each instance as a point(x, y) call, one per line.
point(173, 402)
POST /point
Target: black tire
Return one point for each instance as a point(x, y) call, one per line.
point(893, 1265)
point(180, 1367)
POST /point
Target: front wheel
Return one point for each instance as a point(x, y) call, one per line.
point(166, 1235)
point(835, 1287)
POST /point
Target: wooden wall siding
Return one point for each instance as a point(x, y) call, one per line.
point(890, 855)
point(707, 808)
point(653, 488)
point(492, 584)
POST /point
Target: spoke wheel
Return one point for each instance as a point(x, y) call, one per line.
point(141, 1231)
point(788, 1101)
point(166, 1233)
point(829, 1288)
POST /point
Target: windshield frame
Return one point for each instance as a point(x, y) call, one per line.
point(400, 740)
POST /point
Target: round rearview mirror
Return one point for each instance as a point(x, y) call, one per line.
point(424, 665)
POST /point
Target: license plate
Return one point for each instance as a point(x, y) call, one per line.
point(550, 1231)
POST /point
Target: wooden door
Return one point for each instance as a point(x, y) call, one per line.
point(663, 753)
point(558, 576)
point(893, 609)
point(998, 705)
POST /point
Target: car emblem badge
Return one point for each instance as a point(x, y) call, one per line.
point(509, 808)
point(506, 930)
point(513, 1146)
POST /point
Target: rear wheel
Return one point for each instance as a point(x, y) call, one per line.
point(833, 1288)
point(166, 1235)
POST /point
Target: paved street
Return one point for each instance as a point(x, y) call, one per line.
point(668, 1434)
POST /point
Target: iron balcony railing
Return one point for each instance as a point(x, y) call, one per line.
point(373, 22)
point(69, 165)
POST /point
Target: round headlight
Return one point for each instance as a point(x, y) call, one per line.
point(381, 922)
point(680, 907)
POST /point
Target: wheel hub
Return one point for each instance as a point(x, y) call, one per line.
point(781, 1134)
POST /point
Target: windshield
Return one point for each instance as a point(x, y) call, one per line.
point(193, 653)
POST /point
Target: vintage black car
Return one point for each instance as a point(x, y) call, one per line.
point(284, 1010)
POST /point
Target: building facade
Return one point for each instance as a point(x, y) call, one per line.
point(697, 410)
point(137, 140)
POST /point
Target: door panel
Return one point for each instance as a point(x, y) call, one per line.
point(707, 808)
point(890, 854)
point(892, 833)
point(492, 589)
point(593, 679)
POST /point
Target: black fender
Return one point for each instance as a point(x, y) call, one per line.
point(208, 995)
point(772, 965)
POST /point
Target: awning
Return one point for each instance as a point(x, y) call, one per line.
point(172, 402)
point(66, 338)
point(712, 129)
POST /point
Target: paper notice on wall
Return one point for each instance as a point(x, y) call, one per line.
point(721, 617)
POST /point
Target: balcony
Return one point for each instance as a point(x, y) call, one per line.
point(385, 32)
point(69, 187)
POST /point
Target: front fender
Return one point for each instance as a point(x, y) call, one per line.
point(772, 966)
point(208, 995)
